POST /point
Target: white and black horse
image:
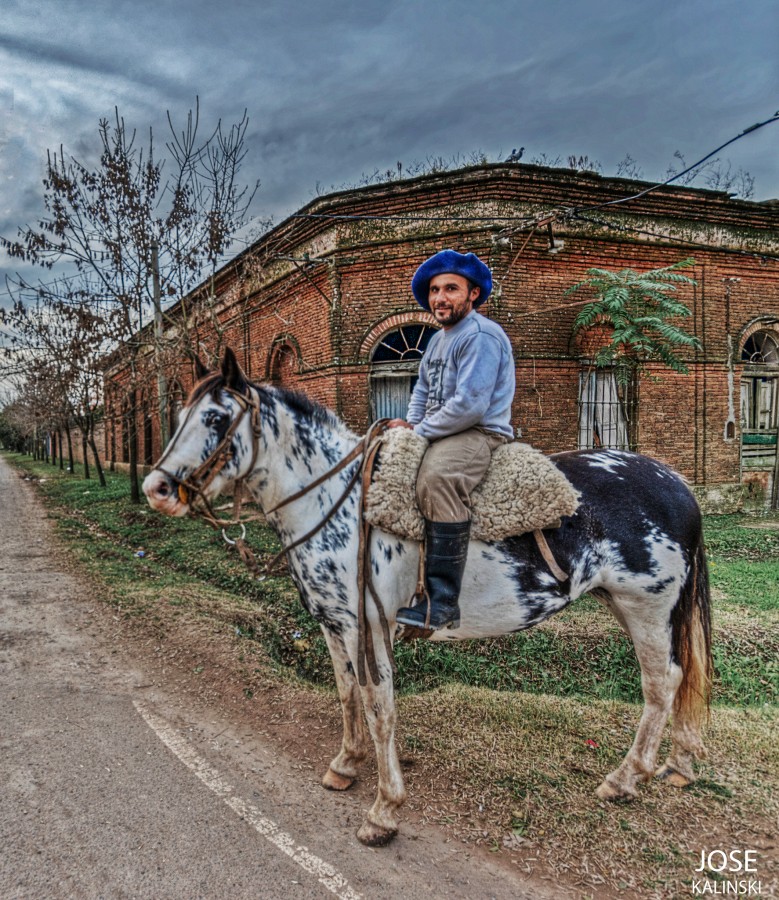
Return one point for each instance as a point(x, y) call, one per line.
point(635, 543)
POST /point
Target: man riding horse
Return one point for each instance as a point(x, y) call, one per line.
point(462, 404)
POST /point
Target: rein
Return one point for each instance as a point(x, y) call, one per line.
point(368, 448)
point(200, 478)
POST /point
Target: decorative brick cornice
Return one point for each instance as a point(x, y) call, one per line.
point(390, 324)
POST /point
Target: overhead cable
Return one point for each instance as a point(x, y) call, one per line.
point(654, 187)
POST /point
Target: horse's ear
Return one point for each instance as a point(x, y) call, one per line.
point(201, 370)
point(232, 372)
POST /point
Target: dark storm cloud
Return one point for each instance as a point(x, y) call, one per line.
point(337, 88)
point(25, 51)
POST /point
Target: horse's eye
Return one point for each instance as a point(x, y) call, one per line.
point(218, 421)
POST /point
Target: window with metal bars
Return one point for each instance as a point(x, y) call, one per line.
point(608, 410)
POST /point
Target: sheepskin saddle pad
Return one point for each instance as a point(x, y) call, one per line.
point(522, 491)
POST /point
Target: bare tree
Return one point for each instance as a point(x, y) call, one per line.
point(134, 239)
point(719, 176)
point(62, 345)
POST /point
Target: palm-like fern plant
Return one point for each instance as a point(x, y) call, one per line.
point(636, 309)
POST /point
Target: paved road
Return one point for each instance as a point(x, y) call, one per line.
point(112, 789)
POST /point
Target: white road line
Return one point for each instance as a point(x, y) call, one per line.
point(323, 871)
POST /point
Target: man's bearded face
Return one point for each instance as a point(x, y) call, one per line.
point(451, 298)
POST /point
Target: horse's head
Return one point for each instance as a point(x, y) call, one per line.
point(213, 446)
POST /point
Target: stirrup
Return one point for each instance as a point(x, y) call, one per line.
point(439, 617)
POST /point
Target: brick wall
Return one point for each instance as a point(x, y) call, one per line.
point(312, 323)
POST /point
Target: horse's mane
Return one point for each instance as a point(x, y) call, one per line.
point(299, 404)
point(212, 383)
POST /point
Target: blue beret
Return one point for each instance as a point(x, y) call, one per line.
point(450, 261)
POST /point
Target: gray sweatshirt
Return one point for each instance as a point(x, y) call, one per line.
point(466, 378)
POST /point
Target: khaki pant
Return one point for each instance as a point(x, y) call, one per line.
point(451, 468)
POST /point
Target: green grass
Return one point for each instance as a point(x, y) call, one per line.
point(743, 557)
point(581, 653)
point(738, 537)
point(754, 585)
point(536, 661)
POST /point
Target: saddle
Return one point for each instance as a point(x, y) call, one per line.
point(522, 491)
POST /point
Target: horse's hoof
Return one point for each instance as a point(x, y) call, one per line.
point(671, 776)
point(607, 791)
point(374, 835)
point(335, 782)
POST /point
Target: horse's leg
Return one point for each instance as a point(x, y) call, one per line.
point(381, 823)
point(687, 746)
point(343, 769)
point(647, 622)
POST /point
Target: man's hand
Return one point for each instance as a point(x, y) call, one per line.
point(398, 423)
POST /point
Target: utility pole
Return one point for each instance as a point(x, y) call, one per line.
point(162, 385)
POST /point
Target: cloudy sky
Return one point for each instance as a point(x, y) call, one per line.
point(337, 88)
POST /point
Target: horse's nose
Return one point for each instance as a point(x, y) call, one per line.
point(156, 485)
point(163, 489)
point(160, 491)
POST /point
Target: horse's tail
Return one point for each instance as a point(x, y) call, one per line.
point(691, 636)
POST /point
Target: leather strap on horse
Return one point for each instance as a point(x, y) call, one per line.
point(366, 653)
point(200, 478)
point(367, 448)
point(333, 509)
point(356, 451)
point(421, 594)
point(549, 559)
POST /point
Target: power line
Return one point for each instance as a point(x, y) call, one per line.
point(530, 221)
point(744, 133)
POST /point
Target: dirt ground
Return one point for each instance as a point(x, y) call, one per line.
point(98, 806)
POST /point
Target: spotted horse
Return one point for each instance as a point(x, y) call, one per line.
point(635, 543)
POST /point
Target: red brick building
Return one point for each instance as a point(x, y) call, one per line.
point(323, 303)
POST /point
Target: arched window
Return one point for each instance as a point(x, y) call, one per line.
point(405, 344)
point(761, 348)
point(283, 367)
point(394, 367)
point(760, 399)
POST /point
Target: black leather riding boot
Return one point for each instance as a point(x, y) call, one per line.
point(446, 548)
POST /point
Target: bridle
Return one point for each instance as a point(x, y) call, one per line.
point(198, 481)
